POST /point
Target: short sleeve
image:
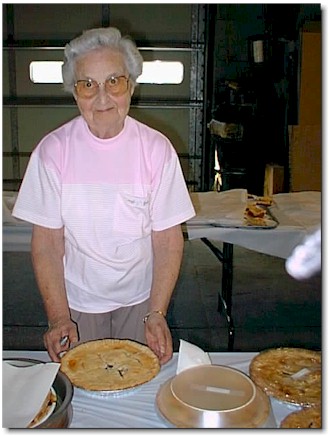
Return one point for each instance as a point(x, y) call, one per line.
point(171, 202)
point(39, 197)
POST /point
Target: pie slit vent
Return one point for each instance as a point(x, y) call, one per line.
point(110, 364)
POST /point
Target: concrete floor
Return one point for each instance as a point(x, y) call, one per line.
point(270, 308)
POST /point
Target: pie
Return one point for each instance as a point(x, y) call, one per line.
point(256, 214)
point(249, 220)
point(289, 374)
point(305, 418)
point(110, 364)
point(261, 200)
point(255, 211)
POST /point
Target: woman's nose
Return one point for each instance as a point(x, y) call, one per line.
point(103, 95)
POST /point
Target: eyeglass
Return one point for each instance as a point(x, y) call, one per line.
point(114, 85)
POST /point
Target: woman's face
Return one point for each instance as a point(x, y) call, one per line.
point(104, 113)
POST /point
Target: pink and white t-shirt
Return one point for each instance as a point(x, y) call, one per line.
point(109, 194)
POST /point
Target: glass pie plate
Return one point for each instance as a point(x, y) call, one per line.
point(214, 396)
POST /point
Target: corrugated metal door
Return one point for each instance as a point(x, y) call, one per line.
point(162, 31)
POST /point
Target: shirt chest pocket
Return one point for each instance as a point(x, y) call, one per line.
point(132, 215)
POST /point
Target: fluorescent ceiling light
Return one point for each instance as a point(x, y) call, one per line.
point(154, 72)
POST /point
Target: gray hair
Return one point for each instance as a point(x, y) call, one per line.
point(94, 39)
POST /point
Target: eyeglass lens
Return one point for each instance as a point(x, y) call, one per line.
point(114, 86)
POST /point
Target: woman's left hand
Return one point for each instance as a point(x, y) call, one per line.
point(158, 337)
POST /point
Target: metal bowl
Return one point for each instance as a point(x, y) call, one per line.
point(213, 396)
point(62, 415)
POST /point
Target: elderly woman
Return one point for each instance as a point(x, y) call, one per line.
point(106, 197)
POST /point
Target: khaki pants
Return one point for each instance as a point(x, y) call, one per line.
point(125, 323)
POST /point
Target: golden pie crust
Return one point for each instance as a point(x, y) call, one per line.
point(256, 213)
point(110, 364)
point(260, 200)
point(305, 418)
point(275, 372)
point(255, 221)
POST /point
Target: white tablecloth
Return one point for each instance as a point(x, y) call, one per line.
point(298, 214)
point(138, 409)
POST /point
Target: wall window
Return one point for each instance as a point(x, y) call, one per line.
point(154, 72)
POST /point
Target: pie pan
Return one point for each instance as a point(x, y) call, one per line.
point(61, 415)
point(214, 396)
point(107, 393)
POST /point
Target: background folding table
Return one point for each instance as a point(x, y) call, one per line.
point(297, 215)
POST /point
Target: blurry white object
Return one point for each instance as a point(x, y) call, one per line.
point(305, 260)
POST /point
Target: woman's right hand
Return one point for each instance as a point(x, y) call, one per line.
point(54, 338)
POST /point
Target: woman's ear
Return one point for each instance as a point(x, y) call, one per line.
point(132, 88)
